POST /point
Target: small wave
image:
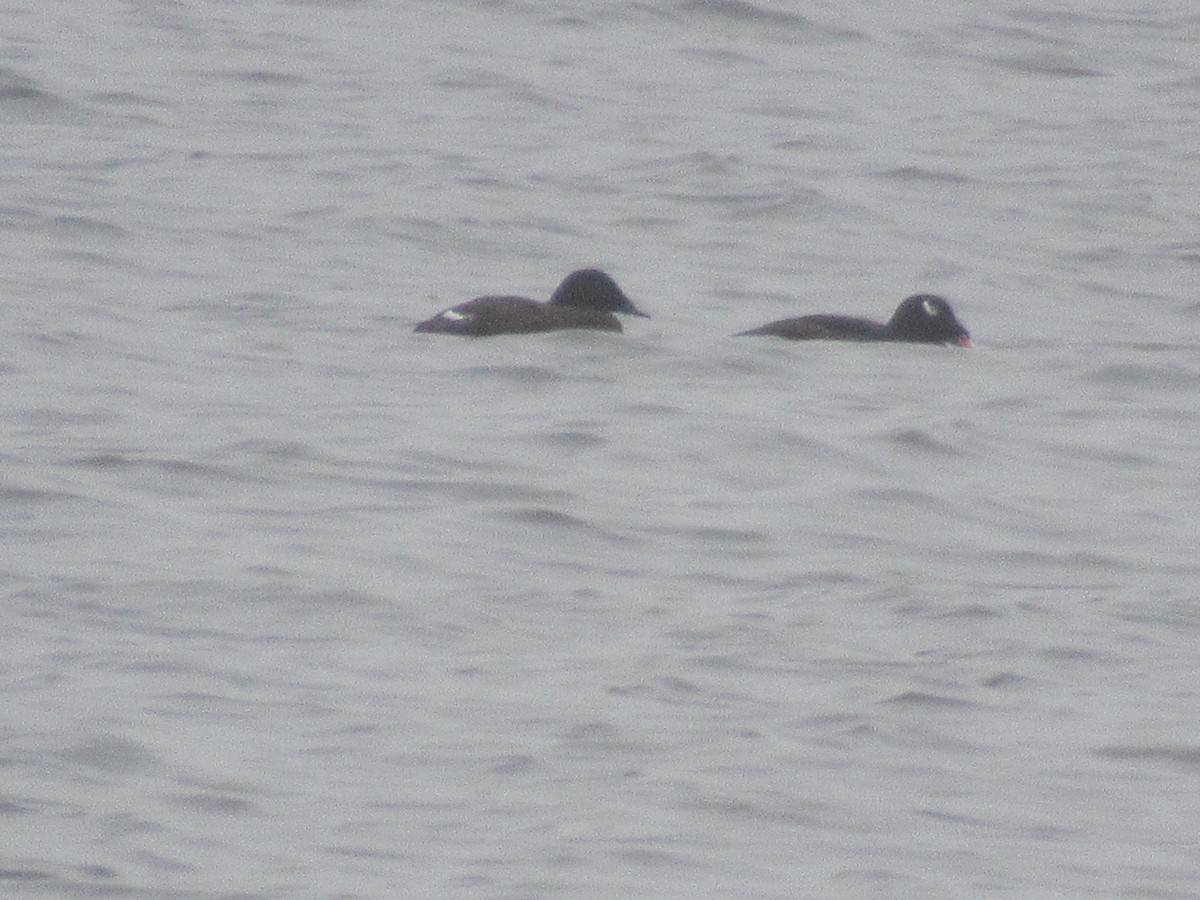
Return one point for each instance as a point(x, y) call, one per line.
point(1054, 66)
point(1070, 654)
point(18, 217)
point(542, 516)
point(928, 700)
point(776, 20)
point(721, 55)
point(514, 764)
point(915, 439)
point(491, 82)
point(1178, 754)
point(126, 99)
point(520, 374)
point(471, 490)
point(928, 176)
point(166, 474)
point(264, 77)
point(560, 521)
point(246, 306)
point(1075, 561)
point(86, 228)
point(1005, 681)
point(907, 497)
point(103, 461)
point(26, 875)
point(19, 495)
point(792, 204)
point(726, 536)
point(741, 11)
point(24, 98)
point(215, 802)
point(1168, 377)
point(970, 612)
point(572, 440)
point(272, 450)
point(110, 754)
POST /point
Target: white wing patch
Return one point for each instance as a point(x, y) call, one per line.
point(454, 315)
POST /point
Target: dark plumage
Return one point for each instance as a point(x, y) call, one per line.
point(921, 319)
point(585, 299)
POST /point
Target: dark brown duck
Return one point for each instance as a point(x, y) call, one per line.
point(585, 299)
point(920, 319)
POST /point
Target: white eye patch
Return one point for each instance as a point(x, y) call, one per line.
point(930, 309)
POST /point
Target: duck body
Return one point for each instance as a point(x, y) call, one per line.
point(585, 299)
point(920, 319)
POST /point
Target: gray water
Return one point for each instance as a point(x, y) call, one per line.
point(297, 603)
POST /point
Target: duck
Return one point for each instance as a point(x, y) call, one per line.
point(586, 298)
point(919, 319)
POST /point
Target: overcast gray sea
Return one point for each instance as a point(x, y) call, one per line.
point(296, 603)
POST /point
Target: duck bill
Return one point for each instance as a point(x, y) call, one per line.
point(964, 341)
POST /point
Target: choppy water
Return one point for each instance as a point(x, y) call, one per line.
point(296, 603)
